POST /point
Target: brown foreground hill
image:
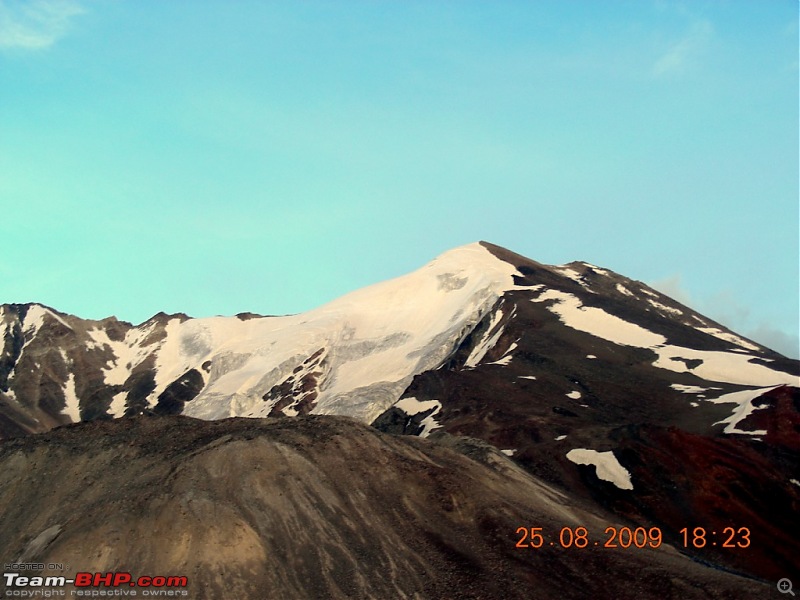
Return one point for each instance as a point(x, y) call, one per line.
point(317, 507)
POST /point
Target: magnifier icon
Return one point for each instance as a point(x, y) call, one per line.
point(785, 586)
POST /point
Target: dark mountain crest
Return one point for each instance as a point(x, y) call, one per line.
point(246, 316)
point(162, 318)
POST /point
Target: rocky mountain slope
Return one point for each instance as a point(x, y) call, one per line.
point(315, 507)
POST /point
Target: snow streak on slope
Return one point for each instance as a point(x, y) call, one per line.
point(506, 358)
point(664, 307)
point(34, 319)
point(728, 337)
point(71, 408)
point(689, 389)
point(744, 401)
point(71, 401)
point(625, 291)
point(487, 342)
point(598, 322)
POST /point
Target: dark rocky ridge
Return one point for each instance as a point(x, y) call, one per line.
point(315, 507)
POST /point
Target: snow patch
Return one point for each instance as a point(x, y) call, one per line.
point(575, 395)
point(412, 406)
point(561, 437)
point(596, 269)
point(664, 307)
point(527, 377)
point(597, 322)
point(690, 389)
point(574, 275)
point(624, 291)
point(744, 407)
point(571, 273)
point(510, 452)
point(117, 406)
point(606, 464)
point(724, 367)
point(71, 400)
point(591, 356)
point(728, 337)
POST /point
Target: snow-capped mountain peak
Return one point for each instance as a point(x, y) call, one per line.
point(474, 307)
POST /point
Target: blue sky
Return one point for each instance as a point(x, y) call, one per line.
point(216, 157)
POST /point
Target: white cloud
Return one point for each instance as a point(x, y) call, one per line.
point(723, 308)
point(35, 24)
point(672, 286)
point(786, 343)
point(681, 53)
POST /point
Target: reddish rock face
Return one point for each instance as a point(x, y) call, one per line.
point(737, 491)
